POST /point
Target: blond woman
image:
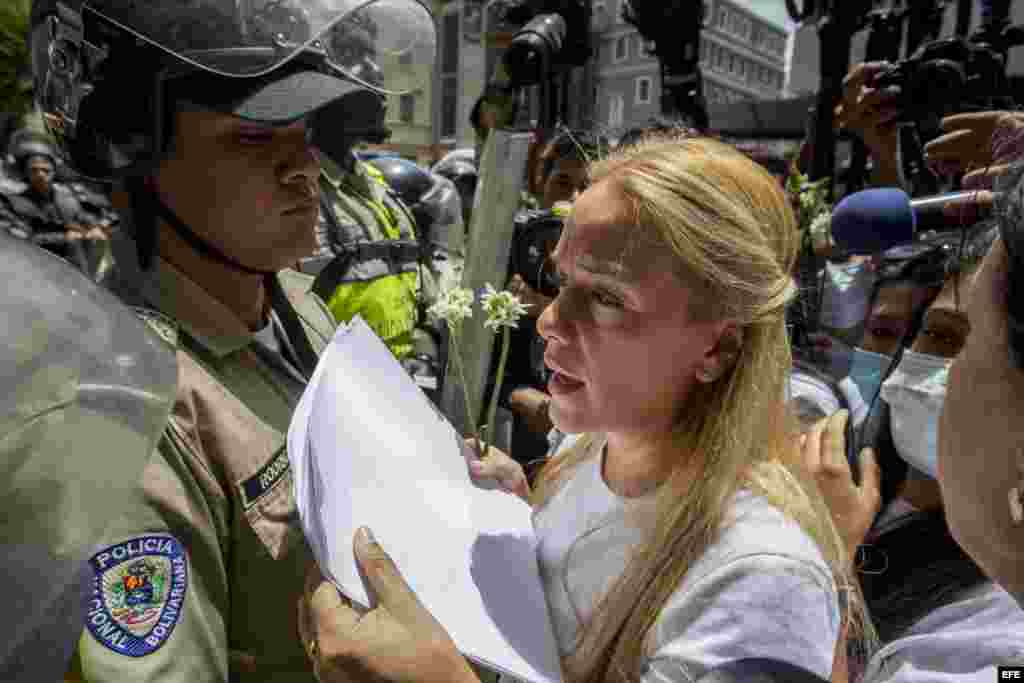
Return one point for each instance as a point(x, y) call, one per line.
point(674, 534)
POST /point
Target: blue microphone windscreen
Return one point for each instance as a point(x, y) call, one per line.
point(872, 221)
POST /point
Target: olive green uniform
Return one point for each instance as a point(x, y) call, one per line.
point(205, 568)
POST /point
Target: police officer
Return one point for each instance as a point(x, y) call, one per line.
point(436, 207)
point(87, 391)
point(374, 267)
point(211, 114)
point(42, 210)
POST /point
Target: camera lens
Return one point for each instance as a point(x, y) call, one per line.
point(537, 44)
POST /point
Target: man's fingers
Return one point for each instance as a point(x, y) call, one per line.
point(969, 209)
point(953, 145)
point(984, 178)
point(878, 99)
point(386, 585)
point(971, 120)
point(870, 476)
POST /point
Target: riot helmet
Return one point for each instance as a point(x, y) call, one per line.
point(108, 72)
point(461, 170)
point(409, 181)
point(112, 74)
point(27, 144)
point(432, 199)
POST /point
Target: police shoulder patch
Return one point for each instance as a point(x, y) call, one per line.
point(138, 593)
point(165, 328)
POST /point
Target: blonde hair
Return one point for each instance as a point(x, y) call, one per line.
point(734, 234)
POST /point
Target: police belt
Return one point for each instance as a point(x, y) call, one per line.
point(395, 253)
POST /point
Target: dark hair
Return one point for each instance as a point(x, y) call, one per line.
point(573, 145)
point(660, 125)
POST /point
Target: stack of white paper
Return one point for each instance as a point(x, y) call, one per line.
point(368, 448)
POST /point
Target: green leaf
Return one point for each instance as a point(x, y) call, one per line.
point(14, 56)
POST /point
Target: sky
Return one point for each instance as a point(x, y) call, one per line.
point(772, 10)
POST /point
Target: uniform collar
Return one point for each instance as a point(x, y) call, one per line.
point(201, 315)
point(336, 176)
point(167, 289)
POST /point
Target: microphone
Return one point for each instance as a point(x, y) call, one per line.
point(872, 221)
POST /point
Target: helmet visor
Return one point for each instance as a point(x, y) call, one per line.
point(387, 45)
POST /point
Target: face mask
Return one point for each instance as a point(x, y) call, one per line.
point(915, 392)
point(866, 370)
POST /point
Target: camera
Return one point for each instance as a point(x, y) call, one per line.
point(556, 34)
point(536, 234)
point(949, 76)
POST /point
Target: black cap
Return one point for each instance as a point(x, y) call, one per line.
point(281, 97)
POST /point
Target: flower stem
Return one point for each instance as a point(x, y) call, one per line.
point(456, 352)
point(506, 340)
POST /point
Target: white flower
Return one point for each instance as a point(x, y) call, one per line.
point(503, 309)
point(454, 304)
point(822, 224)
point(821, 229)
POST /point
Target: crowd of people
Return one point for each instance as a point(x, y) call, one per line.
point(710, 497)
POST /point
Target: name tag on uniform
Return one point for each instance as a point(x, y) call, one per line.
point(256, 486)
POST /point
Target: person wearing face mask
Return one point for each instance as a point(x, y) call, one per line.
point(935, 611)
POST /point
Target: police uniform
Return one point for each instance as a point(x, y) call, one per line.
point(374, 272)
point(205, 566)
point(26, 215)
point(87, 390)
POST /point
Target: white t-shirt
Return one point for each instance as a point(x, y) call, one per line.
point(763, 590)
point(962, 642)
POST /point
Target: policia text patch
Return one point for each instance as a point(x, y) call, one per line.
point(138, 594)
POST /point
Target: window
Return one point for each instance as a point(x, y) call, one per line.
point(643, 90)
point(742, 66)
point(407, 108)
point(616, 109)
point(719, 57)
point(732, 64)
point(649, 48)
point(723, 17)
point(621, 48)
point(449, 75)
point(705, 49)
point(707, 12)
point(600, 13)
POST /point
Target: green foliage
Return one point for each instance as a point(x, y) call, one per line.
point(812, 198)
point(15, 93)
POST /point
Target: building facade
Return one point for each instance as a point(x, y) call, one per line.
point(804, 74)
point(743, 57)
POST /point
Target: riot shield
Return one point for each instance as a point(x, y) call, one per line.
point(87, 391)
point(489, 250)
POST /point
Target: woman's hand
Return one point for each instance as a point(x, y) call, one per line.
point(398, 641)
point(853, 507)
point(495, 468)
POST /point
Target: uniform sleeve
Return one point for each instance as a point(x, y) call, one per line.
point(765, 605)
point(159, 604)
